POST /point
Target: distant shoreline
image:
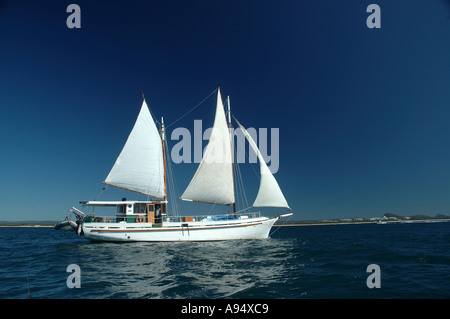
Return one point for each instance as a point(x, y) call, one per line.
point(18, 224)
point(364, 222)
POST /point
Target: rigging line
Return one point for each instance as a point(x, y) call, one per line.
point(101, 192)
point(243, 193)
point(250, 207)
point(192, 108)
point(153, 116)
point(174, 195)
point(279, 226)
point(150, 109)
point(214, 205)
point(249, 148)
point(240, 184)
point(172, 187)
point(175, 192)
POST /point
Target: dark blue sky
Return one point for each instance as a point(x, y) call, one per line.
point(363, 114)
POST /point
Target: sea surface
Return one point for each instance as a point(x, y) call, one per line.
point(297, 262)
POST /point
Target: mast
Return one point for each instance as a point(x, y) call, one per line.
point(231, 145)
point(163, 139)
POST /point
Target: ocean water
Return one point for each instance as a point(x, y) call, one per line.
point(297, 262)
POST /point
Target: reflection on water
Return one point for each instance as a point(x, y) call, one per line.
point(183, 270)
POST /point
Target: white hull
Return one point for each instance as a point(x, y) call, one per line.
point(252, 228)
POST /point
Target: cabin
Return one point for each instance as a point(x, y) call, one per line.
point(126, 211)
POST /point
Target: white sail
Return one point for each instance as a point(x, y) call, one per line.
point(269, 193)
point(140, 166)
point(213, 181)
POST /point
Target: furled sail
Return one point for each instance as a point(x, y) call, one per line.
point(269, 193)
point(140, 167)
point(213, 181)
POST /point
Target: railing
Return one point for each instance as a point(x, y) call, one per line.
point(132, 218)
point(101, 219)
point(181, 219)
point(142, 218)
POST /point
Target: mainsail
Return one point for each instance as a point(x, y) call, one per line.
point(140, 167)
point(269, 193)
point(213, 181)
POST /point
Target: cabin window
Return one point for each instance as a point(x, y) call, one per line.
point(140, 208)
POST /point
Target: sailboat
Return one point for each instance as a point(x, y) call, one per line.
point(141, 168)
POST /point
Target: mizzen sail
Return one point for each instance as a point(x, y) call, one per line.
point(140, 167)
point(213, 180)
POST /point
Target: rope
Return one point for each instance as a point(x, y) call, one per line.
point(278, 227)
point(192, 109)
point(150, 109)
point(101, 192)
